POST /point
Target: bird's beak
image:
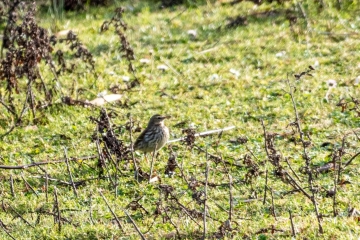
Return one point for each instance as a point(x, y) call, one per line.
point(166, 117)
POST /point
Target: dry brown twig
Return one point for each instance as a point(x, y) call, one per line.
point(112, 212)
point(305, 155)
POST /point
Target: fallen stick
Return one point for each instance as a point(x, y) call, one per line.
point(203, 134)
point(34, 164)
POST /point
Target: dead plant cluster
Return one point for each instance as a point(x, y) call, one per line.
point(27, 45)
point(26, 49)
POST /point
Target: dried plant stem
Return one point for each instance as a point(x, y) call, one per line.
point(205, 193)
point(292, 181)
point(293, 233)
point(131, 144)
point(28, 185)
point(303, 13)
point(69, 172)
point(297, 186)
point(305, 156)
point(350, 160)
point(265, 186)
point(135, 226)
point(112, 212)
point(182, 172)
point(102, 160)
point(36, 164)
point(230, 197)
point(266, 161)
point(172, 223)
point(18, 119)
point(46, 183)
point(12, 186)
point(57, 217)
point(21, 217)
point(292, 170)
point(184, 209)
point(90, 209)
point(272, 204)
point(5, 230)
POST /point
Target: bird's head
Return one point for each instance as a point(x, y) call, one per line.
point(157, 119)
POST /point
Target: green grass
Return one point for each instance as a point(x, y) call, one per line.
point(192, 95)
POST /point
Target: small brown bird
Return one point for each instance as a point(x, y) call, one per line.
point(154, 137)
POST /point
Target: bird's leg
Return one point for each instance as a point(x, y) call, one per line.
point(147, 161)
point(152, 164)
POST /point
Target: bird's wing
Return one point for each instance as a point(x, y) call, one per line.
point(139, 140)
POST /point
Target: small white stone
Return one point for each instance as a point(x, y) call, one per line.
point(214, 77)
point(145, 61)
point(162, 67)
point(235, 72)
point(331, 83)
point(125, 78)
point(316, 64)
point(280, 54)
point(192, 33)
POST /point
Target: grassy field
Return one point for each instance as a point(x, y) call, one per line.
point(221, 76)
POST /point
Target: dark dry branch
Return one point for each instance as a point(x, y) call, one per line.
point(46, 183)
point(135, 226)
point(27, 45)
point(61, 182)
point(350, 160)
point(305, 156)
point(105, 134)
point(36, 164)
point(293, 233)
point(73, 102)
point(28, 185)
point(271, 229)
point(336, 161)
point(187, 211)
point(131, 123)
point(90, 210)
point(101, 159)
point(3, 226)
point(80, 52)
point(275, 161)
point(292, 170)
point(120, 29)
point(56, 210)
point(172, 223)
point(272, 204)
point(12, 186)
point(265, 186)
point(69, 172)
point(182, 173)
point(253, 169)
point(217, 159)
point(134, 205)
point(205, 193)
point(21, 217)
point(112, 212)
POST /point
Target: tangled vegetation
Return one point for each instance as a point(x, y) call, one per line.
point(282, 75)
